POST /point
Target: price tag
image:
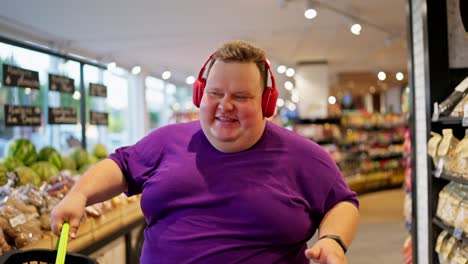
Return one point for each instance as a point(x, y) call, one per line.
point(435, 115)
point(457, 233)
point(459, 221)
point(17, 220)
point(440, 168)
point(465, 116)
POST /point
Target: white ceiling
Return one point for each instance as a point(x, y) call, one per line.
point(180, 34)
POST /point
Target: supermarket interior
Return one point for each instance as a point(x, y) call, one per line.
point(380, 86)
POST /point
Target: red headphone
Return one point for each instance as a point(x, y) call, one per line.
point(270, 94)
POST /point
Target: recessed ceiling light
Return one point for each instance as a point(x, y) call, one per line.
point(166, 75)
point(356, 29)
point(381, 75)
point(400, 76)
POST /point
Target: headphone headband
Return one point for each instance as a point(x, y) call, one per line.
point(270, 93)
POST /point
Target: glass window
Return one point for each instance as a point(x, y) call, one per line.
point(29, 60)
point(116, 134)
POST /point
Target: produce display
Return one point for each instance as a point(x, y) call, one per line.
point(33, 183)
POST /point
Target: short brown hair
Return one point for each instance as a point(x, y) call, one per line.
point(241, 51)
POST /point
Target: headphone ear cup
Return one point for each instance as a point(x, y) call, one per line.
point(270, 96)
point(198, 89)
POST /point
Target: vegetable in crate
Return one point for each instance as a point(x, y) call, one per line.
point(22, 150)
point(68, 164)
point(80, 156)
point(45, 170)
point(11, 163)
point(27, 175)
point(100, 151)
point(51, 155)
point(3, 175)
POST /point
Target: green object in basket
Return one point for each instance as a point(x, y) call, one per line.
point(62, 244)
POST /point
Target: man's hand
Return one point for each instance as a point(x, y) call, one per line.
point(71, 209)
point(326, 251)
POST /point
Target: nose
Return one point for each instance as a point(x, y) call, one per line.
point(226, 104)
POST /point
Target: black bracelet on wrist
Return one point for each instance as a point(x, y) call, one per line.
point(338, 240)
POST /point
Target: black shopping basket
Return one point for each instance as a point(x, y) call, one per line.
point(49, 256)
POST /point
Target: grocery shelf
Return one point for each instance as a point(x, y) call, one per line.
point(450, 229)
point(454, 179)
point(374, 128)
point(449, 120)
point(330, 120)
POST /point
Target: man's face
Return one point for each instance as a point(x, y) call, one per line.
point(231, 108)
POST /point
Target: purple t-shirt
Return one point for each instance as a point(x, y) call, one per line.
point(260, 205)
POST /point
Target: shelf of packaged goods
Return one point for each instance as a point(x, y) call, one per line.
point(374, 143)
point(450, 229)
point(391, 156)
point(374, 128)
point(331, 120)
point(453, 178)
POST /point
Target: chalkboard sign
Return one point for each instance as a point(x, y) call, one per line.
point(97, 90)
point(14, 76)
point(63, 115)
point(98, 118)
point(16, 115)
point(61, 84)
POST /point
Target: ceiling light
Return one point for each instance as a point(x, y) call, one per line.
point(295, 98)
point(166, 75)
point(281, 69)
point(332, 100)
point(291, 106)
point(190, 80)
point(111, 65)
point(280, 102)
point(356, 29)
point(27, 90)
point(288, 85)
point(176, 107)
point(136, 70)
point(399, 76)
point(76, 95)
point(310, 13)
point(290, 72)
point(381, 75)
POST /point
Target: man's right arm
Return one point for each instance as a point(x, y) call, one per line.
point(100, 183)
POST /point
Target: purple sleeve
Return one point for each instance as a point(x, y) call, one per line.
point(339, 192)
point(137, 162)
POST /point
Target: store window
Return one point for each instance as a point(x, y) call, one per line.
point(24, 96)
point(114, 105)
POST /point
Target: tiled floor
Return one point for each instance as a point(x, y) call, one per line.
point(382, 231)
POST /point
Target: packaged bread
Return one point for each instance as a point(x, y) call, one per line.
point(461, 219)
point(432, 146)
point(461, 152)
point(458, 111)
point(443, 200)
point(446, 150)
point(448, 249)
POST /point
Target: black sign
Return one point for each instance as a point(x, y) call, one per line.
point(98, 118)
point(22, 115)
point(61, 84)
point(14, 76)
point(97, 90)
point(63, 115)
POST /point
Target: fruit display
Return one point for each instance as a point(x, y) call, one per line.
point(28, 193)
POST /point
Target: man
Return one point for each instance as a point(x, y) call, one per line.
point(231, 187)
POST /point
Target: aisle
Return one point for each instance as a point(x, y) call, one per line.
point(382, 232)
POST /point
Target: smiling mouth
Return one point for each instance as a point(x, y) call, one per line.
point(225, 119)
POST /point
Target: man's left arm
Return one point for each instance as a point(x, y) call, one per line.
point(340, 223)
